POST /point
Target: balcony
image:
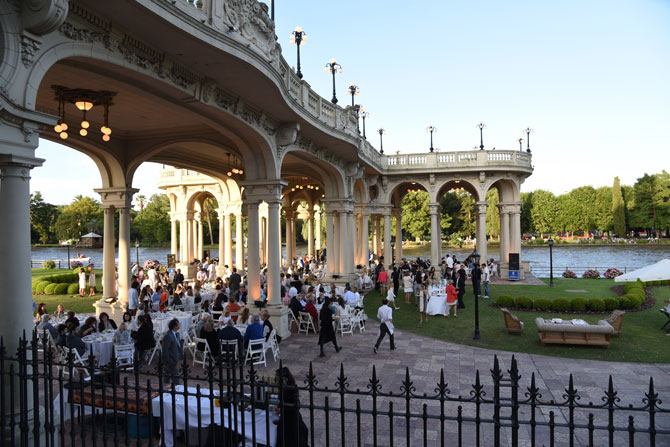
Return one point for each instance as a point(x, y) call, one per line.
point(461, 161)
point(171, 176)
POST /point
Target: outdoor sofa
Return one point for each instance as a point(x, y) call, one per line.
point(574, 334)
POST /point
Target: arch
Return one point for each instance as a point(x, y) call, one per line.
point(330, 176)
point(396, 191)
point(455, 183)
point(360, 193)
point(508, 189)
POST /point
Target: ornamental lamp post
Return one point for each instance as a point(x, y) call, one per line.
point(137, 252)
point(353, 90)
point(550, 242)
point(528, 131)
point(520, 144)
point(381, 133)
point(333, 67)
point(363, 114)
point(481, 126)
point(431, 129)
point(68, 255)
point(298, 38)
point(477, 336)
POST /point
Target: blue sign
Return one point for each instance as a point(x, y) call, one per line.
point(513, 275)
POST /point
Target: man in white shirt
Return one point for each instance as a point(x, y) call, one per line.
point(292, 292)
point(385, 317)
point(486, 277)
point(349, 296)
point(450, 262)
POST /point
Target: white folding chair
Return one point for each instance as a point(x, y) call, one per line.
point(345, 324)
point(203, 354)
point(256, 352)
point(272, 344)
point(125, 355)
point(157, 347)
point(189, 344)
point(79, 361)
point(292, 320)
point(305, 324)
point(216, 314)
point(44, 340)
point(228, 348)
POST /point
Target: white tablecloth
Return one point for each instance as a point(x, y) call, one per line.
point(102, 346)
point(437, 305)
point(161, 320)
point(207, 408)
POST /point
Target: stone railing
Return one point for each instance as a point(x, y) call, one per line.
point(175, 176)
point(457, 160)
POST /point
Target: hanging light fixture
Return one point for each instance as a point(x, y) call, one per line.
point(84, 100)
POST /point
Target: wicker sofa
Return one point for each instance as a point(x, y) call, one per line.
point(574, 334)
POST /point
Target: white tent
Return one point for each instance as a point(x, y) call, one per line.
point(654, 272)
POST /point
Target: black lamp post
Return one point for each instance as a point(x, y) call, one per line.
point(550, 242)
point(68, 255)
point(475, 258)
point(353, 90)
point(137, 252)
point(392, 262)
point(528, 130)
point(381, 133)
point(521, 144)
point(298, 38)
point(481, 127)
point(272, 10)
point(333, 67)
point(363, 114)
point(431, 129)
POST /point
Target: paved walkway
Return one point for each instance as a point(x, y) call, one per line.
point(425, 357)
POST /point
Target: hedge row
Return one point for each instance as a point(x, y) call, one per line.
point(56, 284)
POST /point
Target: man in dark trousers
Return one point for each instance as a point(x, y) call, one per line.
point(234, 283)
point(460, 286)
point(173, 351)
point(385, 317)
point(477, 280)
point(178, 278)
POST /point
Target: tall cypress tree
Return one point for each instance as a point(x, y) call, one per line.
point(618, 212)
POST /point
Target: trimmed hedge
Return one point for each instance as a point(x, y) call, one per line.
point(39, 288)
point(505, 301)
point(595, 305)
point(561, 305)
point(611, 303)
point(50, 289)
point(72, 289)
point(61, 289)
point(542, 304)
point(578, 304)
point(523, 302)
point(49, 265)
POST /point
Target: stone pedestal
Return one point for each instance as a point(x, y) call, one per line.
point(279, 318)
point(504, 270)
point(114, 310)
point(188, 270)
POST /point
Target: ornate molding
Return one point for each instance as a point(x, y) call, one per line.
point(43, 16)
point(251, 19)
point(30, 45)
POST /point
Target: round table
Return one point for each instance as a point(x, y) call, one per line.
point(102, 344)
point(161, 320)
point(437, 305)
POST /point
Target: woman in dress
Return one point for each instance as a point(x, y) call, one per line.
point(326, 331)
point(91, 281)
point(122, 336)
point(82, 282)
point(452, 298)
point(422, 304)
point(407, 285)
point(382, 278)
point(131, 323)
point(212, 336)
point(291, 429)
point(41, 310)
point(391, 299)
point(105, 323)
point(243, 319)
point(60, 312)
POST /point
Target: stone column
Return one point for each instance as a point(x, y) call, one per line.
point(108, 252)
point(343, 242)
point(253, 261)
point(378, 235)
point(504, 234)
point(264, 240)
point(351, 241)
point(227, 228)
point(239, 243)
point(191, 238)
point(481, 230)
point(515, 230)
point(220, 269)
point(331, 257)
point(201, 241)
point(274, 255)
point(310, 233)
point(365, 247)
point(373, 218)
point(357, 238)
point(397, 213)
point(388, 252)
point(435, 234)
point(173, 236)
point(287, 235)
point(317, 243)
point(124, 253)
point(294, 236)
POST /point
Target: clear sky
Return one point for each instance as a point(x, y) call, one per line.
point(592, 78)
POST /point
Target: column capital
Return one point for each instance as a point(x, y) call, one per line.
point(482, 206)
point(396, 212)
point(263, 190)
point(435, 208)
point(341, 205)
point(17, 161)
point(121, 197)
point(510, 207)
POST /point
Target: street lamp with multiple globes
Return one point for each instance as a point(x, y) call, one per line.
point(381, 133)
point(521, 144)
point(477, 336)
point(363, 114)
point(528, 131)
point(550, 242)
point(333, 67)
point(298, 38)
point(137, 252)
point(431, 129)
point(481, 126)
point(353, 90)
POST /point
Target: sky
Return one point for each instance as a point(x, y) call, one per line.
point(591, 78)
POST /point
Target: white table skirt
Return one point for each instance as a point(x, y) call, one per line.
point(161, 322)
point(207, 409)
point(102, 349)
point(437, 305)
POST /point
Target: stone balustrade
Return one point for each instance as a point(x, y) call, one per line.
point(458, 160)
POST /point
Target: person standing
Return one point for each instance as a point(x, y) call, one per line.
point(91, 281)
point(395, 277)
point(486, 276)
point(407, 282)
point(326, 330)
point(172, 351)
point(476, 275)
point(460, 286)
point(385, 317)
point(422, 303)
point(452, 298)
point(133, 298)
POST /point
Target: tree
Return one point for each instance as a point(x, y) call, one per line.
point(526, 210)
point(83, 215)
point(492, 212)
point(416, 214)
point(208, 205)
point(544, 212)
point(153, 222)
point(43, 218)
point(141, 200)
point(602, 209)
point(577, 210)
point(651, 210)
point(618, 212)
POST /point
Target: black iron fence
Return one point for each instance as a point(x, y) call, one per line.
point(50, 401)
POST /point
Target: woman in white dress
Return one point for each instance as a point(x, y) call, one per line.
point(391, 298)
point(407, 284)
point(82, 282)
point(91, 281)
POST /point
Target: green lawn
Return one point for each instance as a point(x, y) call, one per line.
point(640, 340)
point(71, 302)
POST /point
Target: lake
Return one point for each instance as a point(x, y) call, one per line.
point(575, 257)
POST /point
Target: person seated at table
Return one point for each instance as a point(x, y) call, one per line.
point(217, 306)
point(322, 296)
point(289, 414)
point(156, 299)
point(176, 300)
point(41, 310)
point(145, 294)
point(254, 331)
point(232, 306)
point(60, 311)
point(122, 336)
point(46, 326)
point(230, 332)
point(74, 341)
point(452, 298)
point(205, 306)
point(131, 323)
point(144, 337)
point(267, 325)
point(223, 319)
point(295, 307)
point(89, 327)
point(203, 319)
point(105, 323)
point(62, 335)
point(243, 320)
point(341, 307)
point(310, 308)
point(163, 300)
point(209, 333)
